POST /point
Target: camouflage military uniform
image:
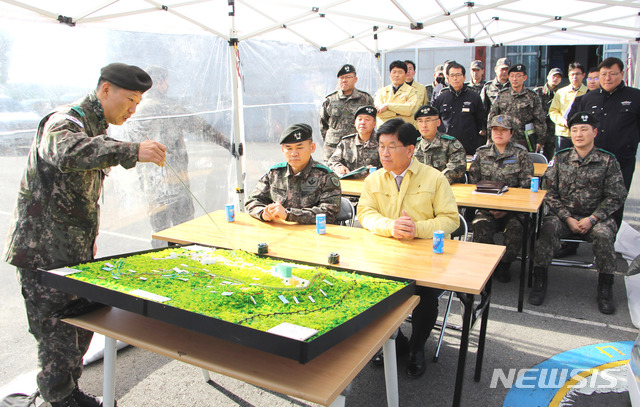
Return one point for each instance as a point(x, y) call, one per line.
point(429, 95)
point(445, 154)
point(314, 190)
point(515, 168)
point(56, 222)
point(546, 97)
point(353, 153)
point(476, 87)
point(336, 120)
point(578, 188)
point(490, 91)
point(163, 120)
point(523, 108)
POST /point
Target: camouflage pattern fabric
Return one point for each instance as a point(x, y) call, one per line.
point(515, 168)
point(429, 95)
point(476, 87)
point(353, 153)
point(523, 108)
point(546, 97)
point(445, 154)
point(490, 92)
point(336, 119)
point(315, 189)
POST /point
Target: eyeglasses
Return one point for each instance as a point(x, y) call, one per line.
point(516, 75)
point(455, 75)
point(429, 120)
point(593, 79)
point(390, 149)
point(609, 74)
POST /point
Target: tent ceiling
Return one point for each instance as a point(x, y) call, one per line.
point(349, 24)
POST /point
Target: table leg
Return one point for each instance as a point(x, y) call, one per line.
point(109, 384)
point(523, 263)
point(391, 371)
point(467, 301)
point(532, 247)
point(206, 375)
point(339, 402)
point(483, 333)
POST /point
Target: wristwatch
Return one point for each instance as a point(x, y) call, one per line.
point(593, 220)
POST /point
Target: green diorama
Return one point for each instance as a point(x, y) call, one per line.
point(240, 287)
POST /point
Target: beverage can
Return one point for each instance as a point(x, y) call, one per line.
point(372, 169)
point(535, 184)
point(438, 241)
point(321, 223)
point(230, 212)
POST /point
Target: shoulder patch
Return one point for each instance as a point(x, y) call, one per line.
point(447, 137)
point(605, 151)
point(564, 150)
point(279, 165)
point(73, 119)
point(324, 167)
point(332, 93)
point(78, 110)
point(335, 181)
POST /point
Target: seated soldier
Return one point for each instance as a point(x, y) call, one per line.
point(299, 189)
point(584, 188)
point(441, 151)
point(501, 160)
point(359, 149)
point(405, 200)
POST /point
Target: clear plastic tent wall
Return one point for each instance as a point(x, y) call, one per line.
point(189, 109)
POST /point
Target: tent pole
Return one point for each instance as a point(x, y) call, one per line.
point(636, 77)
point(236, 94)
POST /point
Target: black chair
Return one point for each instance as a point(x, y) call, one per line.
point(538, 158)
point(347, 214)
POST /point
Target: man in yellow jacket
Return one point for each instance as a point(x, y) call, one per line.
point(405, 200)
point(398, 100)
point(561, 104)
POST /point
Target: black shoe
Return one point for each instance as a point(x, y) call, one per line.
point(402, 348)
point(536, 296)
point(503, 274)
point(417, 364)
point(606, 305)
point(77, 398)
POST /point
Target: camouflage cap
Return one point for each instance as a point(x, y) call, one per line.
point(368, 110)
point(503, 63)
point(347, 68)
point(126, 76)
point(426, 110)
point(555, 71)
point(518, 68)
point(583, 118)
point(477, 64)
point(296, 133)
point(501, 120)
point(439, 69)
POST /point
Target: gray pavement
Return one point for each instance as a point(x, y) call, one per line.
point(568, 319)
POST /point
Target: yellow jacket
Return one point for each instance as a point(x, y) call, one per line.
point(562, 101)
point(421, 93)
point(425, 195)
point(402, 104)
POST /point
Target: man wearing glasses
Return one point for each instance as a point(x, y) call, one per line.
point(461, 110)
point(616, 107)
point(525, 109)
point(336, 119)
point(562, 101)
point(406, 200)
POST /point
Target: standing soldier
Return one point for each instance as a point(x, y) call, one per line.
point(477, 76)
point(359, 149)
point(501, 160)
point(438, 150)
point(523, 106)
point(336, 120)
point(546, 94)
point(501, 81)
point(584, 189)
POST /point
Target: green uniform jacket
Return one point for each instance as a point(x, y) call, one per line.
point(524, 107)
point(336, 120)
point(352, 153)
point(445, 154)
point(514, 166)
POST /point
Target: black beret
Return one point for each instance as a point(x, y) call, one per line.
point(126, 76)
point(296, 133)
point(518, 68)
point(583, 118)
point(347, 68)
point(426, 110)
point(369, 110)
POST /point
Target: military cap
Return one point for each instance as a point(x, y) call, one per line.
point(583, 118)
point(477, 64)
point(439, 69)
point(555, 71)
point(347, 68)
point(368, 110)
point(503, 63)
point(126, 76)
point(296, 133)
point(501, 120)
point(518, 68)
point(426, 110)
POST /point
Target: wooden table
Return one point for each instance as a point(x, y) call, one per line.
point(320, 381)
point(514, 200)
point(538, 168)
point(464, 267)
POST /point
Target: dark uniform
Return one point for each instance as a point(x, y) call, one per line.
point(463, 116)
point(523, 108)
point(515, 168)
point(336, 120)
point(445, 154)
point(353, 153)
point(546, 97)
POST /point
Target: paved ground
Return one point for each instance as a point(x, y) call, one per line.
point(569, 319)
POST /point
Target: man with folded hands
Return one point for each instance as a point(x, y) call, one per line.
point(501, 160)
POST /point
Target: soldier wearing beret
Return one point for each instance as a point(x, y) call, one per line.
point(501, 160)
point(584, 188)
point(55, 221)
point(336, 119)
point(439, 150)
point(525, 109)
point(359, 149)
point(298, 189)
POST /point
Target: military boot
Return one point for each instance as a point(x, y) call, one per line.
point(536, 296)
point(503, 274)
point(605, 294)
